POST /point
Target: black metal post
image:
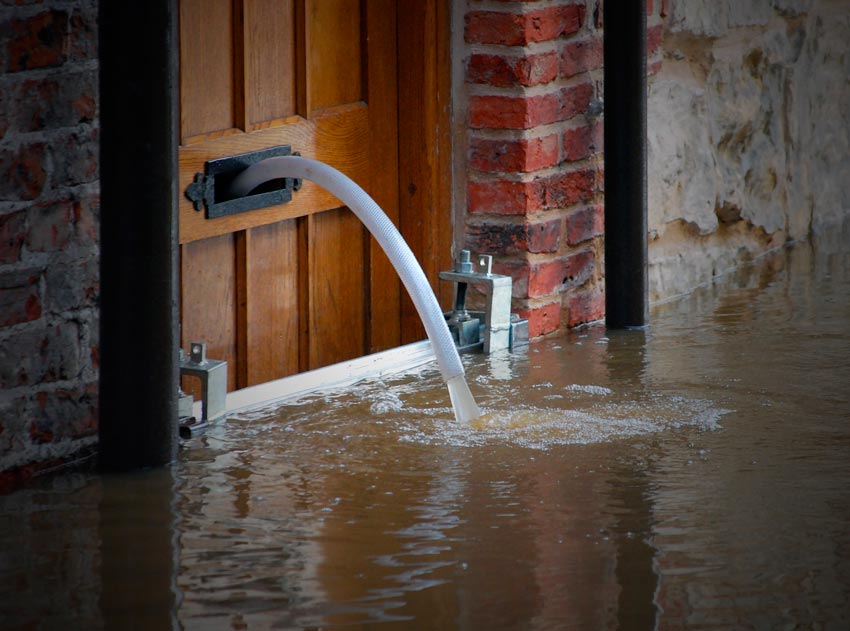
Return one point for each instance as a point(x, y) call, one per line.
point(138, 177)
point(626, 301)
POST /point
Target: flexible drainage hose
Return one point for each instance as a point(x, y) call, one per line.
point(399, 253)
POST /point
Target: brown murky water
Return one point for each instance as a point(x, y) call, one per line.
point(694, 475)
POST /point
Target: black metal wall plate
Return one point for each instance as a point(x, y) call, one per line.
point(210, 189)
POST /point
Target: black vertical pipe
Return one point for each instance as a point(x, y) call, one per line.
point(626, 301)
point(138, 179)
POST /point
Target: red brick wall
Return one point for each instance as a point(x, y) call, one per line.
point(49, 213)
point(534, 156)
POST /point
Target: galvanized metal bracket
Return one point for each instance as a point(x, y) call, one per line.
point(500, 328)
point(209, 191)
point(213, 376)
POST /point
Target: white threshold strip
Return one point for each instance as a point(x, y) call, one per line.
point(374, 366)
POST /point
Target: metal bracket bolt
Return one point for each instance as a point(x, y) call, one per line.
point(213, 376)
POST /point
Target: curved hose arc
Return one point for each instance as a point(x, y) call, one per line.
point(384, 231)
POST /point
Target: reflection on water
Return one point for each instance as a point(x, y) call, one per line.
point(694, 475)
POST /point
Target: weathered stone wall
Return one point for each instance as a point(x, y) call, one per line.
point(49, 215)
point(748, 131)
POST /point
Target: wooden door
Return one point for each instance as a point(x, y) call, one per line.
point(301, 285)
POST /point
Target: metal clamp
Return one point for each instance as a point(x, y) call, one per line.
point(213, 376)
point(501, 329)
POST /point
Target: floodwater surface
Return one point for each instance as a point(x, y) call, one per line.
point(692, 475)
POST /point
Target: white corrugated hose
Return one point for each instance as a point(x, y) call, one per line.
point(399, 253)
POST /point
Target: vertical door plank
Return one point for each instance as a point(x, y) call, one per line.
point(337, 287)
point(304, 232)
point(381, 93)
point(424, 167)
point(272, 302)
point(269, 57)
point(442, 229)
point(208, 299)
point(333, 53)
point(206, 67)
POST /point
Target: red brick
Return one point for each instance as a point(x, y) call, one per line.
point(544, 236)
point(55, 101)
point(654, 35)
point(44, 353)
point(503, 197)
point(518, 271)
point(83, 36)
point(579, 143)
point(77, 407)
point(87, 219)
point(525, 112)
point(519, 29)
point(497, 112)
point(13, 232)
point(518, 156)
point(20, 298)
point(563, 190)
point(499, 70)
point(542, 319)
point(74, 286)
point(573, 17)
point(545, 278)
point(513, 112)
point(549, 277)
point(491, 27)
point(35, 103)
point(500, 238)
point(585, 224)
point(598, 136)
point(574, 100)
point(41, 429)
point(580, 56)
point(75, 158)
point(586, 306)
point(40, 41)
point(506, 238)
point(578, 268)
point(22, 174)
point(50, 226)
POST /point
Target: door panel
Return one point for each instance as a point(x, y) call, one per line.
point(208, 299)
point(334, 60)
point(301, 285)
point(337, 286)
point(267, 316)
point(206, 67)
point(270, 74)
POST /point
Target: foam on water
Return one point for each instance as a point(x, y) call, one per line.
point(544, 427)
point(416, 411)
